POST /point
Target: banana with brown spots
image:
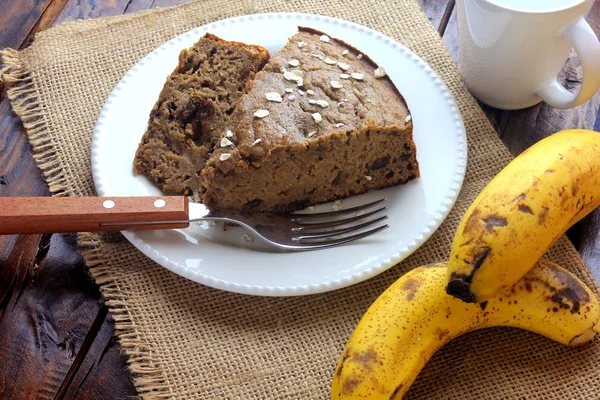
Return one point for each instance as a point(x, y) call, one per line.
point(522, 211)
point(415, 316)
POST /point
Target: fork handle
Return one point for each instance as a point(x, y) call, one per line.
point(19, 215)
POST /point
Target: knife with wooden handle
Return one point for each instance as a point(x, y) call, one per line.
point(21, 215)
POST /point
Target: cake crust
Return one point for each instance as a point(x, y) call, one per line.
point(192, 111)
point(320, 122)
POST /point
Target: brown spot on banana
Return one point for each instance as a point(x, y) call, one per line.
point(411, 286)
point(396, 391)
point(345, 356)
point(494, 221)
point(524, 208)
point(441, 333)
point(349, 385)
point(367, 359)
point(472, 224)
point(543, 215)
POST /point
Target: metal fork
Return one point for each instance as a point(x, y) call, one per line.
point(298, 231)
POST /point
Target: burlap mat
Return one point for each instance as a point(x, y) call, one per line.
point(185, 340)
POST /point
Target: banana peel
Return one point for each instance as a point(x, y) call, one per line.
point(522, 212)
point(415, 317)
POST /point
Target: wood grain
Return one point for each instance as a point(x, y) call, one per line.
point(45, 322)
point(138, 5)
point(45, 21)
point(84, 9)
point(437, 12)
point(103, 372)
point(90, 214)
point(17, 18)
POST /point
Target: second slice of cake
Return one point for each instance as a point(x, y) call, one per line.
point(320, 122)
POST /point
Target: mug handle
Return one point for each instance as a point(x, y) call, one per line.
point(587, 46)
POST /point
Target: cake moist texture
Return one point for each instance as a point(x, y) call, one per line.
point(192, 110)
point(319, 122)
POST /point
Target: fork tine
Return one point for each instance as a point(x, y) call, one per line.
point(300, 217)
point(337, 232)
point(343, 240)
point(337, 222)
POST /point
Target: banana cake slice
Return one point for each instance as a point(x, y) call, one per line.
point(321, 121)
point(192, 110)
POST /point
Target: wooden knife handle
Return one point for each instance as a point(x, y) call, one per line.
point(20, 215)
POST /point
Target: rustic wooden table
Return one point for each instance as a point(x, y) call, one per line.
point(56, 335)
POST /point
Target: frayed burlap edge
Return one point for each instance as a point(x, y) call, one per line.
point(21, 91)
point(148, 376)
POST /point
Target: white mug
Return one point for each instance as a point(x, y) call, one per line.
point(511, 51)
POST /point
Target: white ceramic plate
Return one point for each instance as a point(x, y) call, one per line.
point(202, 254)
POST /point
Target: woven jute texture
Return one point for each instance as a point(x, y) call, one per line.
point(185, 340)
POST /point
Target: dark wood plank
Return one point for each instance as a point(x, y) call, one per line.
point(589, 245)
point(138, 5)
point(17, 18)
point(19, 176)
point(44, 325)
point(46, 20)
point(85, 9)
point(438, 12)
point(45, 336)
point(95, 379)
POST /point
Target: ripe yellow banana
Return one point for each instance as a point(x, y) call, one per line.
point(415, 316)
point(522, 211)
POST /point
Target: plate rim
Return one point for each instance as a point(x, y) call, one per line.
point(379, 266)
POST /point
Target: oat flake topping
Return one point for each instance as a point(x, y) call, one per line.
point(336, 84)
point(289, 90)
point(317, 117)
point(329, 61)
point(322, 103)
point(301, 44)
point(224, 156)
point(380, 72)
point(324, 38)
point(294, 62)
point(257, 141)
point(229, 134)
point(357, 76)
point(337, 205)
point(344, 76)
point(343, 66)
point(273, 96)
point(226, 142)
point(293, 75)
point(261, 113)
point(345, 52)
